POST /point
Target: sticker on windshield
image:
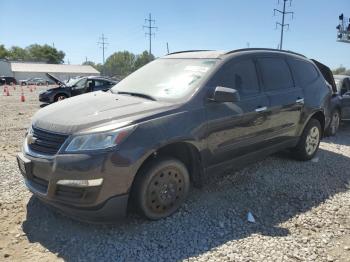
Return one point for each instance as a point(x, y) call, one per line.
point(201, 69)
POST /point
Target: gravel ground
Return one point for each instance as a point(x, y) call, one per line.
point(301, 211)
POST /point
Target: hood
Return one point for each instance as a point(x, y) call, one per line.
point(56, 80)
point(94, 109)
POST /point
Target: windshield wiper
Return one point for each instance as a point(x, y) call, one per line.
point(138, 95)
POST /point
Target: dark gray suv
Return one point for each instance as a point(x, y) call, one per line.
point(169, 124)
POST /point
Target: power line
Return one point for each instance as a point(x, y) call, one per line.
point(103, 44)
point(150, 21)
point(282, 25)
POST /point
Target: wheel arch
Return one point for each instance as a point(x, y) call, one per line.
point(320, 116)
point(60, 93)
point(185, 152)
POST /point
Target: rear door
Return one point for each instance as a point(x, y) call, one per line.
point(285, 97)
point(235, 129)
point(102, 85)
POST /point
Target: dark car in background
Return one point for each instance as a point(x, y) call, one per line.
point(343, 88)
point(75, 86)
point(7, 80)
point(171, 123)
point(38, 81)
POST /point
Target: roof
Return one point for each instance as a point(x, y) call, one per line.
point(220, 54)
point(52, 68)
point(196, 54)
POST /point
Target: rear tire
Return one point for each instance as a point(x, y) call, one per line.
point(334, 124)
point(309, 141)
point(161, 187)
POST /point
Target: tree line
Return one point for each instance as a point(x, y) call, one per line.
point(122, 63)
point(119, 64)
point(33, 53)
point(341, 71)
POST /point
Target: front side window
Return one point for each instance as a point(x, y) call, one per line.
point(168, 79)
point(240, 75)
point(81, 84)
point(275, 73)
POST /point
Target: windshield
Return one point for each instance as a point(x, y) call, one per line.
point(166, 79)
point(73, 81)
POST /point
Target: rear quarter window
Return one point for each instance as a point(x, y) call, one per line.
point(305, 72)
point(275, 73)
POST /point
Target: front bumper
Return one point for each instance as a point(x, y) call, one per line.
point(100, 203)
point(44, 98)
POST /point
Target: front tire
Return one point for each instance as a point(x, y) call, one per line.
point(161, 187)
point(334, 124)
point(60, 97)
point(309, 141)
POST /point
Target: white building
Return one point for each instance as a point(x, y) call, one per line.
point(22, 71)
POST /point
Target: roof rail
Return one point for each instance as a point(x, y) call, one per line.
point(188, 51)
point(264, 49)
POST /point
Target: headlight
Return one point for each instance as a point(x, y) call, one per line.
point(95, 141)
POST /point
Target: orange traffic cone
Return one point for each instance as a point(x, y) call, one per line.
point(23, 99)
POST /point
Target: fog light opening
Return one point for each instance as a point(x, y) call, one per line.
point(81, 183)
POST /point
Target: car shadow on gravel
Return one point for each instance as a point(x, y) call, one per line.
point(275, 190)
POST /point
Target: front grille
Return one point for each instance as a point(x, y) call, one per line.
point(46, 142)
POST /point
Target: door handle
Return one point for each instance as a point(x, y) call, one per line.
point(300, 101)
point(261, 109)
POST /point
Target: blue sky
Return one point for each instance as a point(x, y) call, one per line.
point(75, 26)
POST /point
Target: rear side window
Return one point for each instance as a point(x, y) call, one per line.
point(275, 73)
point(305, 72)
point(238, 75)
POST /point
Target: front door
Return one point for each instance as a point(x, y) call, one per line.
point(79, 88)
point(235, 129)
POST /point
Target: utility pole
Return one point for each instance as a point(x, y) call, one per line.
point(103, 44)
point(150, 21)
point(282, 25)
point(167, 47)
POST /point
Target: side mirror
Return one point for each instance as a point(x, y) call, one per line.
point(225, 94)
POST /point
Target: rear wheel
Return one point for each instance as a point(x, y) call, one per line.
point(309, 141)
point(334, 124)
point(161, 187)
